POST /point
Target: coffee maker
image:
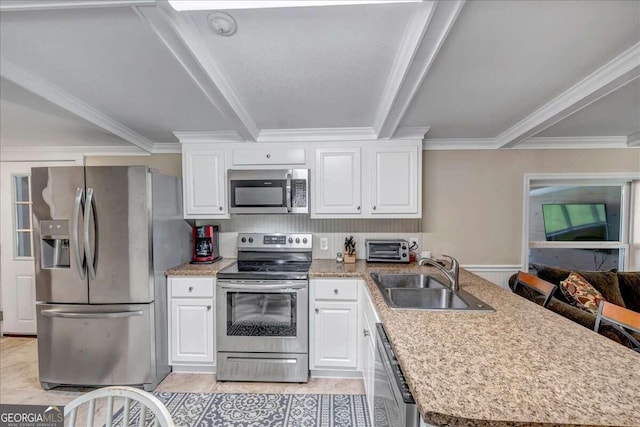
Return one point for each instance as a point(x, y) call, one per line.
point(206, 248)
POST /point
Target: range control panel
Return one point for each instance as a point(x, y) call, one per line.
point(274, 241)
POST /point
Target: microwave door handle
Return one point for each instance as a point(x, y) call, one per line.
point(288, 191)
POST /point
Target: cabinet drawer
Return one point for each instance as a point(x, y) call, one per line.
point(345, 290)
point(269, 156)
point(192, 287)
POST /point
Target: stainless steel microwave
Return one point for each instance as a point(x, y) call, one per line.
point(269, 191)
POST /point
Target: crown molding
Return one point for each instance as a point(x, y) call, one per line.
point(420, 44)
point(611, 76)
point(411, 132)
point(166, 148)
point(180, 35)
point(57, 96)
point(317, 134)
point(30, 5)
point(459, 144)
point(580, 142)
point(633, 140)
point(39, 153)
point(216, 136)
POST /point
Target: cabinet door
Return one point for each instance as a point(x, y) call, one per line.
point(204, 184)
point(192, 330)
point(337, 181)
point(395, 178)
point(335, 334)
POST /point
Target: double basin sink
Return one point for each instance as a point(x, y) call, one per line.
point(424, 292)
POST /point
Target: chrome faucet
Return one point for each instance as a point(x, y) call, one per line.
point(451, 274)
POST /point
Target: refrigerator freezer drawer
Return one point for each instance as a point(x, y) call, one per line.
point(96, 345)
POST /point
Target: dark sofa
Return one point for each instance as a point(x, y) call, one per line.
point(620, 288)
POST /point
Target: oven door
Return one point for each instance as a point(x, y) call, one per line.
point(262, 316)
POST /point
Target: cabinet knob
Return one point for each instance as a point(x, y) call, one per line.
point(268, 156)
point(374, 207)
point(190, 288)
point(208, 307)
point(358, 208)
point(335, 291)
point(365, 333)
point(221, 208)
point(317, 310)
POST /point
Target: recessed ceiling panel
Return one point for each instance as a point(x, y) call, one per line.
point(504, 59)
point(311, 67)
point(617, 114)
point(110, 59)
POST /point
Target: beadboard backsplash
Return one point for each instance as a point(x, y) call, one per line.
point(334, 230)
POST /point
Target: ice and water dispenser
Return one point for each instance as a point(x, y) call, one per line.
point(54, 243)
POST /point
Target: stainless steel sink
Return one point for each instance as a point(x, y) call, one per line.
point(413, 281)
point(424, 292)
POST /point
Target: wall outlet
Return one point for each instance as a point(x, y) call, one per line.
point(324, 243)
point(412, 241)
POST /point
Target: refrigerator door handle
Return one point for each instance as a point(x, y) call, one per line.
point(92, 261)
point(96, 315)
point(78, 202)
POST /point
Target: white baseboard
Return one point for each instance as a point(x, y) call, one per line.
point(336, 373)
point(498, 274)
point(193, 369)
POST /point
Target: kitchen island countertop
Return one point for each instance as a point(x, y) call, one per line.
point(521, 365)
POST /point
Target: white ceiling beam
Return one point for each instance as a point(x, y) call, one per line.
point(420, 44)
point(179, 33)
point(606, 79)
point(57, 96)
point(30, 5)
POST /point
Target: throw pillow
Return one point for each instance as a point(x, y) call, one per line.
point(606, 282)
point(580, 293)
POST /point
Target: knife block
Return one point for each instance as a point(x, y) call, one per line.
point(350, 259)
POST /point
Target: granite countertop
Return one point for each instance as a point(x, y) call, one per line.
point(521, 365)
point(188, 269)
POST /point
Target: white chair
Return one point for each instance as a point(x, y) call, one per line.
point(147, 402)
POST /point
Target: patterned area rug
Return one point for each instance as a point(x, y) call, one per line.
point(263, 410)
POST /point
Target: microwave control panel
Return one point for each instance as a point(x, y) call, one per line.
point(299, 193)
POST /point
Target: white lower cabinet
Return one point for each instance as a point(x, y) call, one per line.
point(333, 343)
point(192, 324)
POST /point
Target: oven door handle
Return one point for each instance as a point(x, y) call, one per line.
point(259, 287)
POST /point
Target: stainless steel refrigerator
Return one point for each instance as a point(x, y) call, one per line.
point(104, 237)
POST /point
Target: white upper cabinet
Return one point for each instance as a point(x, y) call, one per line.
point(337, 181)
point(349, 179)
point(203, 172)
point(269, 156)
point(395, 181)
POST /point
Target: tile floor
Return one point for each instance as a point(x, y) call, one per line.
point(19, 380)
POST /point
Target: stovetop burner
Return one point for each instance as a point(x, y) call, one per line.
point(271, 257)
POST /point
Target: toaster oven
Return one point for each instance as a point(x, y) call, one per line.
point(389, 250)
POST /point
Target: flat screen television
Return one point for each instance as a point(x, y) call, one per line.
point(575, 222)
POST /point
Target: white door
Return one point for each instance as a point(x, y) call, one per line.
point(395, 183)
point(192, 330)
point(204, 183)
point(17, 276)
point(335, 341)
point(337, 181)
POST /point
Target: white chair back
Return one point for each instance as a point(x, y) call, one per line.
point(94, 401)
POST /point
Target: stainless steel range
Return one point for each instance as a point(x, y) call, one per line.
point(262, 306)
